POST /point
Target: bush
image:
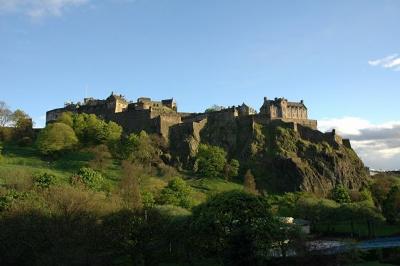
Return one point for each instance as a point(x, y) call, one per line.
point(210, 161)
point(88, 177)
point(56, 138)
point(391, 206)
point(340, 194)
point(44, 180)
point(177, 193)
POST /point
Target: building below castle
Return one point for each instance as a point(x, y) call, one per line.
point(159, 116)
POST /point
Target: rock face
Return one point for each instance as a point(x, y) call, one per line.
point(282, 156)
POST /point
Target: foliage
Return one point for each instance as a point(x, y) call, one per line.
point(89, 178)
point(177, 193)
point(340, 194)
point(92, 130)
point(210, 161)
point(140, 148)
point(148, 200)
point(250, 183)
point(129, 187)
point(22, 125)
point(214, 108)
point(56, 138)
point(391, 205)
point(66, 118)
point(381, 187)
point(236, 227)
point(44, 180)
point(231, 169)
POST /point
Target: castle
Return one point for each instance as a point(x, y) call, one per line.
point(159, 116)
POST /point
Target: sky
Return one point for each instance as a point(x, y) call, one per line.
point(341, 57)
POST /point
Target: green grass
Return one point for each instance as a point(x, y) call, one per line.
point(18, 164)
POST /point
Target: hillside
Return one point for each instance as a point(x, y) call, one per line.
point(283, 156)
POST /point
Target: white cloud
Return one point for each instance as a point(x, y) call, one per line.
point(389, 62)
point(39, 8)
point(377, 144)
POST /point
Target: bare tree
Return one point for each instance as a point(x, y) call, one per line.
point(5, 114)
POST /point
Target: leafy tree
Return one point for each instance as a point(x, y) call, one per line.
point(391, 206)
point(210, 161)
point(92, 130)
point(140, 148)
point(89, 178)
point(56, 138)
point(129, 187)
point(102, 157)
point(236, 227)
point(44, 180)
point(5, 114)
point(23, 126)
point(177, 193)
point(340, 194)
point(231, 169)
point(250, 183)
point(66, 118)
point(381, 187)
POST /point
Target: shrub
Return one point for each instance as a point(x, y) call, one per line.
point(177, 193)
point(44, 180)
point(340, 194)
point(88, 177)
point(210, 161)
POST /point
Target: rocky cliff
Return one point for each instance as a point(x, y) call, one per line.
point(282, 156)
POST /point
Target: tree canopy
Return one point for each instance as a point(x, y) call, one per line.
point(56, 138)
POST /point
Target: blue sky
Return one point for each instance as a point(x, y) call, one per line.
point(341, 57)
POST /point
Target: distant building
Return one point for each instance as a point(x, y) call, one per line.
point(159, 116)
point(281, 108)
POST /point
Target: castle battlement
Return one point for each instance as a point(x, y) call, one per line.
point(159, 116)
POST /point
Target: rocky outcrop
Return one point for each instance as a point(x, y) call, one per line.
point(282, 156)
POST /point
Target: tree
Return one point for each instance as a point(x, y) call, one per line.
point(129, 186)
point(210, 161)
point(92, 130)
point(381, 187)
point(66, 118)
point(340, 194)
point(235, 227)
point(177, 193)
point(23, 127)
point(214, 108)
point(140, 149)
point(231, 169)
point(56, 138)
point(89, 178)
point(391, 205)
point(250, 183)
point(5, 114)
point(102, 158)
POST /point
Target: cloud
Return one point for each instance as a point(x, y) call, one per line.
point(389, 62)
point(377, 144)
point(39, 8)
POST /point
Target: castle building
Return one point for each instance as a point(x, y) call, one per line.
point(159, 116)
point(281, 108)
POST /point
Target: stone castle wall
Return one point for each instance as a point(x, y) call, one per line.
point(160, 117)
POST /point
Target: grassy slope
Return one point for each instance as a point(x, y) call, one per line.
point(18, 165)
